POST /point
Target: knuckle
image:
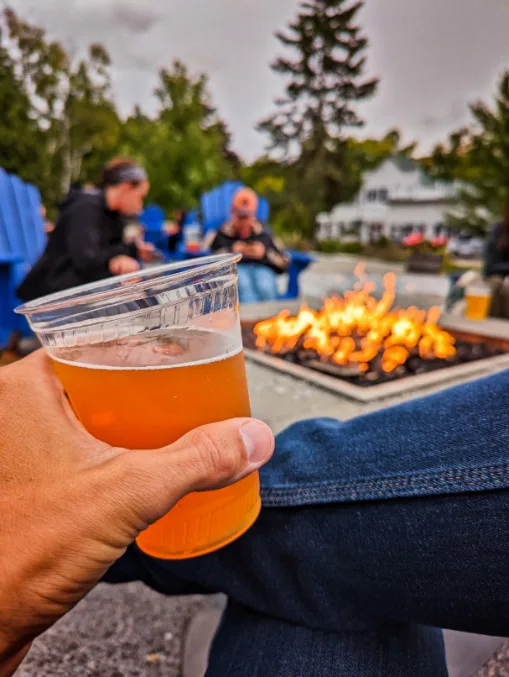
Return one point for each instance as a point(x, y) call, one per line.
point(216, 458)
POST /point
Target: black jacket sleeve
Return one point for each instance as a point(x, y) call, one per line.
point(276, 256)
point(221, 244)
point(87, 252)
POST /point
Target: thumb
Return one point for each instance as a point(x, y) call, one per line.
point(209, 457)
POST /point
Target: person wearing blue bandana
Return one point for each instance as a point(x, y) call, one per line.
point(87, 243)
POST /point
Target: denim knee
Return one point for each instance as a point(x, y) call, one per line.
point(266, 283)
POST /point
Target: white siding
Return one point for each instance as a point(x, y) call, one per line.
point(392, 203)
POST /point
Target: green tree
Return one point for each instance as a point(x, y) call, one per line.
point(186, 147)
point(326, 78)
point(281, 184)
point(21, 139)
point(477, 157)
point(325, 74)
point(70, 100)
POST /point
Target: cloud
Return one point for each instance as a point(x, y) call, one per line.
point(134, 18)
point(433, 56)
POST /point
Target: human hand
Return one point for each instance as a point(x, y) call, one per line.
point(255, 250)
point(146, 251)
point(71, 504)
point(121, 265)
point(239, 247)
point(171, 228)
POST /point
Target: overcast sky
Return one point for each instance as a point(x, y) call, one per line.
point(433, 56)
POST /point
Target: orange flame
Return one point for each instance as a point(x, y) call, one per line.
point(355, 329)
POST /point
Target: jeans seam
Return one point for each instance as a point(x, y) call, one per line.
point(424, 481)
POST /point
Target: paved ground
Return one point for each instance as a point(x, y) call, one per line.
point(125, 631)
point(337, 273)
point(128, 631)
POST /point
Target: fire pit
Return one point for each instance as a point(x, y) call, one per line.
point(366, 348)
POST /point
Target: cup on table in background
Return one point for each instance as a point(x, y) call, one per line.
point(478, 301)
point(145, 358)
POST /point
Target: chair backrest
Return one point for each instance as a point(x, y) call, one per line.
point(22, 240)
point(216, 205)
point(12, 239)
point(264, 211)
point(21, 223)
point(28, 208)
point(191, 217)
point(36, 219)
point(152, 218)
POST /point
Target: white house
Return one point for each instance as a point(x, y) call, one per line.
point(396, 199)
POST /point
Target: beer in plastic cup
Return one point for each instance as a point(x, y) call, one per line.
point(478, 301)
point(145, 358)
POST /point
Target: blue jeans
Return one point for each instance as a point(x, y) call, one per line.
point(373, 533)
point(257, 283)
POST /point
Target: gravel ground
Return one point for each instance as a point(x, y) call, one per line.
point(117, 631)
point(498, 665)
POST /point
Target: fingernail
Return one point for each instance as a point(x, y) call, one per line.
point(258, 440)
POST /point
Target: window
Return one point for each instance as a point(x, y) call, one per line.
point(383, 195)
point(371, 196)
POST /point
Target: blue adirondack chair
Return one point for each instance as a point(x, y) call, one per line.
point(22, 240)
point(216, 206)
point(216, 209)
point(152, 218)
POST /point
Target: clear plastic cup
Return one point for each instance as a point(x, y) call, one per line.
point(478, 301)
point(144, 358)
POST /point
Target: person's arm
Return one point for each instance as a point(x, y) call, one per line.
point(13, 659)
point(71, 505)
point(89, 256)
point(221, 244)
point(276, 256)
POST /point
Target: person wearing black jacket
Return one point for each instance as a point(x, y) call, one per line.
point(262, 260)
point(87, 243)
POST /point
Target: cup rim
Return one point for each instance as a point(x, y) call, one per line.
point(111, 287)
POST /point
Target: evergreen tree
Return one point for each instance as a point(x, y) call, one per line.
point(477, 157)
point(325, 72)
point(20, 137)
point(326, 77)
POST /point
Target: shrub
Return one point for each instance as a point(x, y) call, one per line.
point(336, 247)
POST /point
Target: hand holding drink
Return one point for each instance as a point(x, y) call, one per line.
point(71, 504)
point(144, 360)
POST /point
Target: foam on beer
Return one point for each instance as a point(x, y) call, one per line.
point(168, 348)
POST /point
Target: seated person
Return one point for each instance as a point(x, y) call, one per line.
point(87, 243)
point(262, 259)
point(496, 265)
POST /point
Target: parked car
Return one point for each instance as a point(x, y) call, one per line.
point(466, 247)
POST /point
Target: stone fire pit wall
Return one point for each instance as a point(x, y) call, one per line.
point(489, 329)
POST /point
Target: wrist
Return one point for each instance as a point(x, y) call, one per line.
point(10, 661)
